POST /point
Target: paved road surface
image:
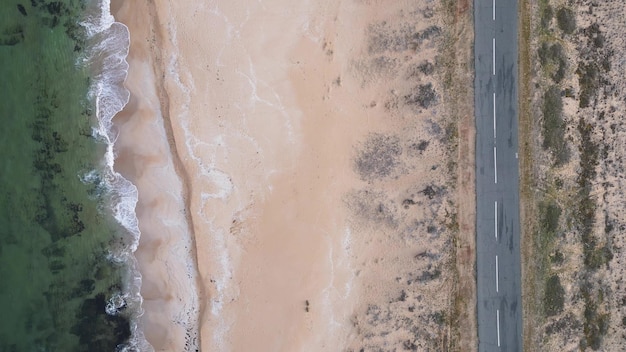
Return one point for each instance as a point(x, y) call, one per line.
point(497, 177)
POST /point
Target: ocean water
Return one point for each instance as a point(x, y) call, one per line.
point(67, 224)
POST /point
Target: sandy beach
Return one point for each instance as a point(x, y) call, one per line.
point(298, 167)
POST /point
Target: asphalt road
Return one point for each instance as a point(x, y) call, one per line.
point(499, 302)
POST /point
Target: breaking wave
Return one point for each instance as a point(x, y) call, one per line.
point(105, 57)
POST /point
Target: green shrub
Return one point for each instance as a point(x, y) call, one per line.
point(554, 296)
point(550, 214)
point(566, 19)
point(596, 257)
point(553, 125)
point(595, 36)
point(585, 216)
point(557, 258)
point(595, 325)
point(546, 16)
point(589, 80)
point(553, 55)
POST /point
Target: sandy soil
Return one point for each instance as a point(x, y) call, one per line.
point(309, 155)
point(587, 252)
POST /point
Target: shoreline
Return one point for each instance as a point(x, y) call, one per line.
point(146, 160)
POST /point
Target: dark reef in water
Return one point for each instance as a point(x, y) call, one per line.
point(21, 9)
point(11, 35)
point(94, 326)
point(60, 217)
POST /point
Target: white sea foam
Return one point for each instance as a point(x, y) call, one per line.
point(98, 18)
point(105, 57)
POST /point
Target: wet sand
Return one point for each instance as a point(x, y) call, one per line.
point(293, 169)
point(144, 156)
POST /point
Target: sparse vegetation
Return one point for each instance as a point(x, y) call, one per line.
point(373, 207)
point(553, 60)
point(379, 157)
point(568, 244)
point(594, 35)
point(387, 38)
point(426, 68)
point(428, 275)
point(426, 212)
point(589, 80)
point(586, 206)
point(432, 191)
point(595, 324)
point(424, 96)
point(595, 257)
point(439, 318)
point(546, 16)
point(420, 146)
point(567, 324)
point(557, 257)
point(550, 216)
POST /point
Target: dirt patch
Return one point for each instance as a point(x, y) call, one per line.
point(373, 208)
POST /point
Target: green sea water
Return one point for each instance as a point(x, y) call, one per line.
point(56, 232)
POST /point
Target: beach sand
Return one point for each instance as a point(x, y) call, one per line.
point(296, 166)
